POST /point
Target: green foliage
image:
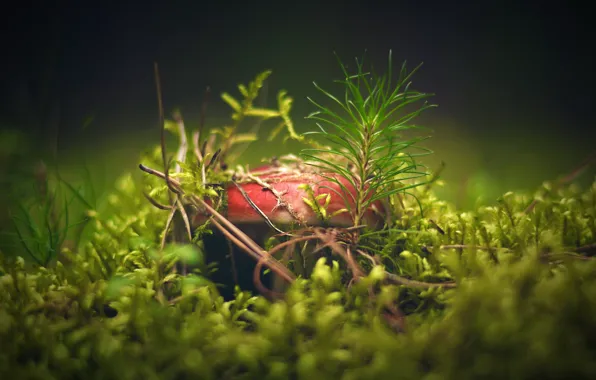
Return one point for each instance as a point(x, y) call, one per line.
point(117, 306)
point(365, 134)
point(314, 202)
point(246, 108)
point(115, 310)
point(43, 216)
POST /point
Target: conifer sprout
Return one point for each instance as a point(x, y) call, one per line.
point(364, 129)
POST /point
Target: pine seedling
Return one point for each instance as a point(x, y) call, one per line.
point(363, 129)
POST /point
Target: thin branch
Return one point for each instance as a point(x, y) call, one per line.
point(466, 246)
point(589, 249)
point(173, 189)
point(290, 242)
point(199, 155)
point(183, 148)
point(258, 210)
point(259, 284)
point(441, 231)
point(167, 227)
point(394, 316)
point(398, 280)
point(197, 147)
point(571, 255)
point(372, 260)
point(357, 271)
point(159, 174)
point(255, 250)
point(203, 114)
point(185, 218)
point(261, 260)
point(279, 197)
point(156, 203)
point(235, 240)
point(181, 157)
point(233, 260)
point(161, 124)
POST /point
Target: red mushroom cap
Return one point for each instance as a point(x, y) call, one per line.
point(282, 199)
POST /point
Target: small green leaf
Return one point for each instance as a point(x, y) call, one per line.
point(340, 211)
point(243, 90)
point(243, 138)
point(321, 196)
point(308, 202)
point(231, 101)
point(172, 126)
point(262, 112)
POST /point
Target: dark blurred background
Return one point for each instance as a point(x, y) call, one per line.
point(514, 82)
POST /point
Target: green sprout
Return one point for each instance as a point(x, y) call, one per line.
point(43, 222)
point(364, 133)
point(246, 108)
point(314, 202)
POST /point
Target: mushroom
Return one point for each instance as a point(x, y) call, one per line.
point(280, 195)
point(271, 197)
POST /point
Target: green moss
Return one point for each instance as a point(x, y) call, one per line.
point(116, 306)
point(114, 310)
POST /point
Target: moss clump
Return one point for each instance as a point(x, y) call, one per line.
point(524, 307)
